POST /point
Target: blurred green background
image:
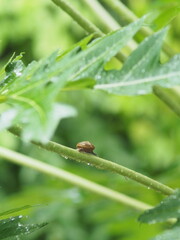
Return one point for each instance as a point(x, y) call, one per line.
point(138, 132)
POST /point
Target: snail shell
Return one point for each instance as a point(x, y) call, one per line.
point(85, 146)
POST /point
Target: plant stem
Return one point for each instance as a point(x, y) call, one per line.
point(84, 23)
point(103, 16)
point(71, 178)
point(118, 7)
point(170, 97)
point(101, 163)
point(107, 20)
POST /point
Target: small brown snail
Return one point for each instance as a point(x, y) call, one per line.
point(85, 147)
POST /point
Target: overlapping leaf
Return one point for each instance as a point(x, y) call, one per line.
point(142, 70)
point(29, 92)
point(173, 233)
point(168, 208)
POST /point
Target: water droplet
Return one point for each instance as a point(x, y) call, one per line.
point(27, 229)
point(18, 72)
point(141, 92)
point(19, 224)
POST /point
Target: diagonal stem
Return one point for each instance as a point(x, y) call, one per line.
point(100, 163)
point(169, 96)
point(71, 178)
point(84, 22)
point(107, 21)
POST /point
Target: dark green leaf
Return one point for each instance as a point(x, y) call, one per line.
point(172, 234)
point(14, 227)
point(168, 208)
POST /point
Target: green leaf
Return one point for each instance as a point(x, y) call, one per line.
point(168, 208)
point(142, 70)
point(89, 62)
point(173, 234)
point(13, 226)
point(166, 16)
point(29, 92)
point(15, 210)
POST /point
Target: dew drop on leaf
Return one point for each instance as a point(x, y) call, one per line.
point(141, 92)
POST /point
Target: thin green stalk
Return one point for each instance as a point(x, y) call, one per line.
point(84, 23)
point(71, 178)
point(103, 16)
point(121, 9)
point(107, 20)
point(170, 97)
point(118, 7)
point(101, 163)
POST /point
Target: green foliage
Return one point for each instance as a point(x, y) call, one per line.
point(138, 132)
point(70, 210)
point(14, 227)
point(163, 14)
point(166, 16)
point(142, 70)
point(169, 234)
point(31, 90)
point(168, 208)
point(14, 210)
